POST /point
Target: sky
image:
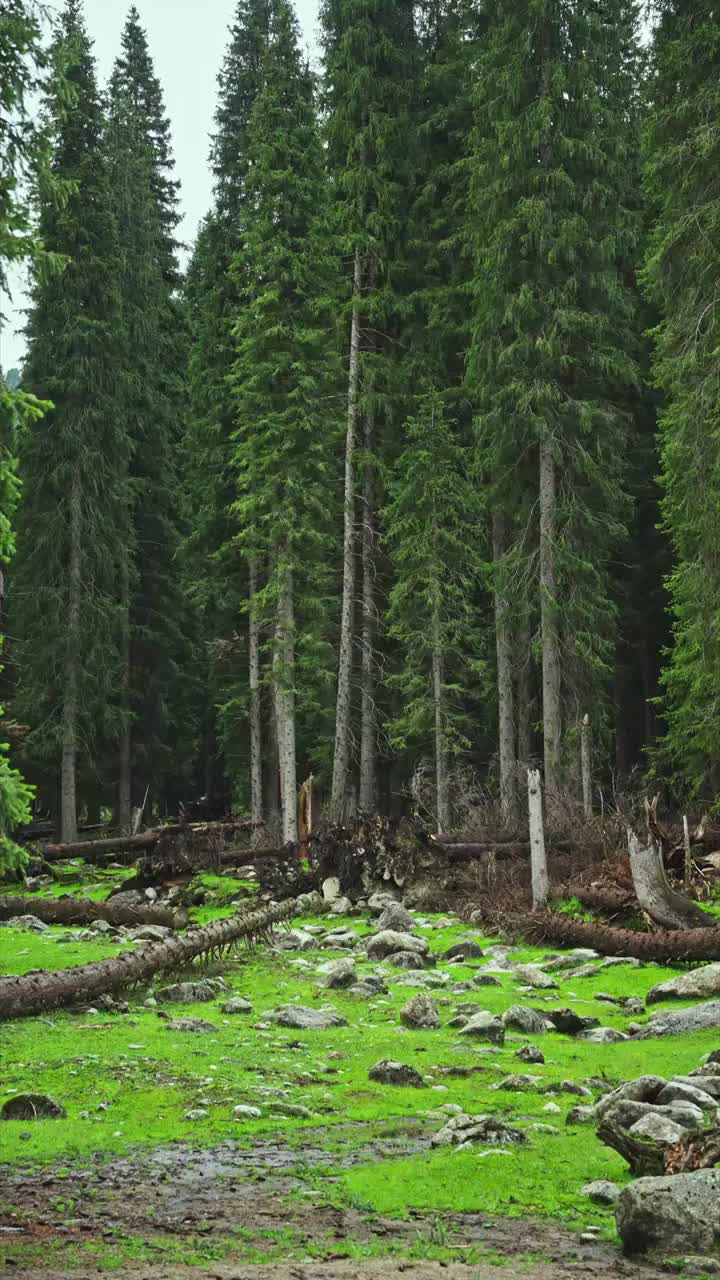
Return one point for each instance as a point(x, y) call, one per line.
point(187, 41)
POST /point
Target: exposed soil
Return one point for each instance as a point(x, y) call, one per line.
point(179, 1192)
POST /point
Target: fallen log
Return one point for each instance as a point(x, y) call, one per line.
point(597, 898)
point(89, 849)
point(69, 910)
point(662, 946)
point(461, 850)
point(697, 1151)
point(655, 893)
point(39, 992)
point(645, 1157)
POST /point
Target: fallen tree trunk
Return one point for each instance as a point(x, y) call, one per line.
point(654, 892)
point(662, 946)
point(600, 899)
point(89, 849)
point(645, 1157)
point(39, 992)
point(462, 850)
point(697, 1151)
point(83, 911)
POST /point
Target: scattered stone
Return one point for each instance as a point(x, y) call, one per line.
point(485, 980)
point(389, 941)
point(342, 936)
point(530, 1053)
point(420, 1013)
point(397, 1073)
point(405, 960)
point(519, 1083)
point(32, 1106)
point(396, 916)
point(580, 1115)
point(644, 1089)
point(244, 1112)
point(311, 904)
point(603, 1035)
point(677, 1092)
point(198, 1026)
point(698, 1266)
point(150, 932)
point(633, 1006)
point(331, 889)
point(538, 1127)
point(378, 902)
point(532, 976)
point(658, 1130)
point(485, 1026)
point(578, 1090)
point(198, 1114)
point(468, 949)
point(102, 926)
point(612, 962)
point(671, 1213)
point(464, 1130)
point(341, 907)
point(339, 974)
point(301, 1018)
point(237, 1005)
point(699, 1017)
point(696, 985)
point(625, 1114)
point(187, 993)
point(601, 1192)
point(570, 1023)
point(697, 1080)
point(552, 1109)
point(290, 1109)
point(28, 924)
point(522, 1018)
point(295, 940)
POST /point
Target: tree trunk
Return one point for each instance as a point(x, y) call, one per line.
point(654, 892)
point(506, 707)
point(68, 777)
point(284, 685)
point(341, 761)
point(586, 767)
point(123, 816)
point(83, 911)
point(538, 859)
point(524, 699)
point(256, 783)
point(666, 946)
point(549, 623)
point(38, 992)
point(271, 784)
point(441, 772)
point(368, 714)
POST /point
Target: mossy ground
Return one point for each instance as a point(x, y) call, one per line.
point(127, 1083)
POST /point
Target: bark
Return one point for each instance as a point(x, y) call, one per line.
point(654, 892)
point(284, 686)
point(441, 773)
point(697, 1151)
point(506, 707)
point(368, 714)
point(68, 771)
point(645, 1157)
point(124, 793)
point(524, 698)
point(687, 854)
point(663, 946)
point(256, 784)
point(538, 859)
point(89, 849)
point(84, 911)
point(341, 760)
point(586, 767)
point(549, 623)
point(39, 992)
point(271, 782)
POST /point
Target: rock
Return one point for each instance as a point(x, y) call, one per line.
point(612, 962)
point(529, 1053)
point(699, 1017)
point(197, 1114)
point(290, 1109)
point(197, 1025)
point(677, 1092)
point(698, 1266)
point(486, 1130)
point(32, 1106)
point(671, 1213)
point(485, 980)
point(538, 1127)
point(644, 1089)
point(577, 1090)
point(150, 932)
point(388, 1072)
point(585, 971)
point(28, 924)
point(468, 949)
point(187, 993)
point(101, 926)
point(341, 907)
point(518, 1083)
point(244, 1112)
point(522, 1018)
point(552, 1109)
point(580, 1115)
point(397, 917)
point(342, 936)
point(658, 1130)
point(295, 940)
point(570, 1023)
point(626, 1113)
point(331, 889)
point(633, 1006)
point(601, 1192)
point(603, 1035)
point(485, 1026)
point(420, 1013)
point(301, 1018)
point(532, 976)
point(696, 985)
point(339, 974)
point(388, 942)
point(378, 902)
point(237, 1005)
point(371, 984)
point(708, 1084)
point(405, 960)
point(311, 904)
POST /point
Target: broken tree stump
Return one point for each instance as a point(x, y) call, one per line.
point(655, 893)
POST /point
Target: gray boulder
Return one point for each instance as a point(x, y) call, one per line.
point(676, 1091)
point(32, 1106)
point(341, 907)
point(644, 1089)
point(404, 959)
point(603, 1035)
point(522, 1018)
point(485, 1026)
point(696, 985)
point(196, 1026)
point(397, 917)
point(331, 889)
point(378, 902)
point(580, 1115)
point(570, 1023)
point(680, 1022)
point(295, 940)
point(530, 1053)
point(311, 904)
point(389, 941)
point(301, 1018)
point(486, 980)
point(339, 974)
point(420, 1013)
point(237, 1005)
point(28, 924)
point(150, 932)
point(671, 1213)
point(601, 1192)
point(468, 949)
point(187, 993)
point(658, 1130)
point(697, 1080)
point(532, 976)
point(488, 1130)
point(396, 1073)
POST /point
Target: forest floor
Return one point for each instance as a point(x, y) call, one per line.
point(151, 1174)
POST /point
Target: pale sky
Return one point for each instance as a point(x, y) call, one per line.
point(187, 41)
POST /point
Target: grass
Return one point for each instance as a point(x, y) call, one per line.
point(127, 1083)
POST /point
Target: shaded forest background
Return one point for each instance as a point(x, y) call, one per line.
point(416, 465)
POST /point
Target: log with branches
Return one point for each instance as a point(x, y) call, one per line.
point(39, 992)
point(663, 946)
point(69, 911)
point(91, 850)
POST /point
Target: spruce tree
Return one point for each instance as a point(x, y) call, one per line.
point(73, 526)
point(282, 380)
point(553, 221)
point(683, 265)
point(152, 400)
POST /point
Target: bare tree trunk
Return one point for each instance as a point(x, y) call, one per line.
point(341, 761)
point(124, 791)
point(524, 699)
point(655, 893)
point(441, 773)
point(284, 685)
point(506, 700)
point(68, 779)
point(271, 785)
point(549, 621)
point(586, 766)
point(538, 859)
point(368, 716)
point(688, 860)
point(256, 782)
